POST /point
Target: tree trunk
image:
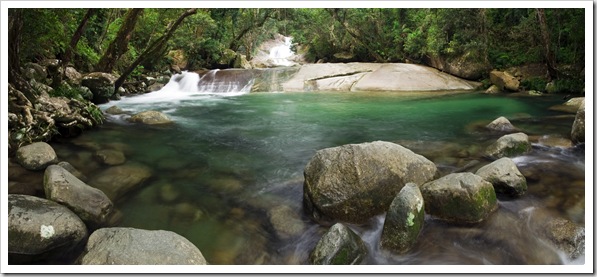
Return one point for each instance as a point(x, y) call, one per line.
point(119, 45)
point(15, 28)
point(76, 36)
point(156, 47)
point(550, 58)
point(236, 42)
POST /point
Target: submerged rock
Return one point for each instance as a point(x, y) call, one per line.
point(504, 176)
point(40, 229)
point(129, 246)
point(89, 203)
point(509, 146)
point(339, 246)
point(110, 157)
point(460, 198)
point(578, 127)
point(150, 118)
point(286, 222)
point(116, 181)
point(404, 220)
point(36, 156)
point(357, 181)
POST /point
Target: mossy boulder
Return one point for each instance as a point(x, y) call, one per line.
point(150, 118)
point(339, 246)
point(504, 176)
point(578, 127)
point(354, 182)
point(509, 146)
point(459, 198)
point(41, 230)
point(404, 220)
point(101, 85)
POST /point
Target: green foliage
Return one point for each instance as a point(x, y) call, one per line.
point(535, 83)
point(572, 86)
point(66, 91)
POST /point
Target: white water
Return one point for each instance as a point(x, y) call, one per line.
point(279, 54)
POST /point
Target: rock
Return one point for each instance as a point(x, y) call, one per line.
point(186, 212)
point(534, 93)
point(33, 71)
point(356, 181)
point(404, 220)
point(150, 118)
point(110, 157)
point(501, 124)
point(339, 246)
point(554, 141)
point(129, 246)
point(550, 88)
point(493, 89)
point(504, 80)
point(504, 176)
point(41, 88)
point(101, 85)
point(240, 61)
point(168, 193)
point(23, 181)
point(578, 127)
point(86, 93)
point(570, 106)
point(286, 222)
point(116, 181)
point(90, 204)
point(36, 156)
point(41, 229)
point(73, 77)
point(466, 65)
point(154, 87)
point(509, 146)
point(460, 198)
point(115, 110)
point(78, 174)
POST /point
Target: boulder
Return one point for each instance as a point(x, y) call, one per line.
point(118, 180)
point(339, 246)
point(404, 220)
point(101, 85)
point(115, 110)
point(73, 77)
point(75, 172)
point(40, 229)
point(467, 65)
point(110, 157)
point(90, 204)
point(286, 222)
point(504, 176)
point(129, 246)
point(459, 198)
point(150, 118)
point(36, 156)
point(357, 181)
point(504, 80)
point(154, 87)
point(33, 71)
point(240, 61)
point(501, 124)
point(570, 106)
point(509, 146)
point(578, 127)
point(493, 89)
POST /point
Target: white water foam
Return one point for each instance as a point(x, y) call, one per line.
point(279, 54)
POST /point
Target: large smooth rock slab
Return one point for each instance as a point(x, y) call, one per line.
point(339, 246)
point(404, 220)
point(357, 181)
point(41, 229)
point(459, 198)
point(318, 72)
point(36, 156)
point(89, 203)
point(129, 246)
point(410, 77)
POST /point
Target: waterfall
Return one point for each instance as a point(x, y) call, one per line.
point(279, 54)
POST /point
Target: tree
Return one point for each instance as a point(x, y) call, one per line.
point(76, 36)
point(156, 48)
point(15, 29)
point(548, 53)
point(120, 44)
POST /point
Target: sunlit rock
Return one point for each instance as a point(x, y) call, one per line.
point(504, 176)
point(578, 127)
point(36, 156)
point(460, 198)
point(339, 246)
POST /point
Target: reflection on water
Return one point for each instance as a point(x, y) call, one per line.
point(231, 167)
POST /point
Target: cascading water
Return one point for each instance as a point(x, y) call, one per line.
point(279, 54)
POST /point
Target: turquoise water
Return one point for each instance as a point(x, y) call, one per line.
point(227, 163)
